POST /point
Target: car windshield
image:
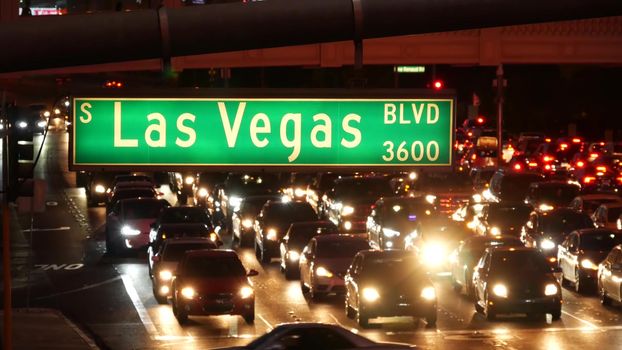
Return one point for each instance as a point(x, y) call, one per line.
point(184, 215)
point(134, 193)
point(508, 216)
point(214, 267)
point(566, 222)
point(142, 210)
point(516, 187)
point(301, 236)
point(592, 205)
point(408, 211)
point(390, 267)
point(556, 195)
point(291, 212)
point(477, 248)
point(602, 241)
point(519, 262)
point(341, 248)
point(613, 213)
point(252, 206)
point(174, 252)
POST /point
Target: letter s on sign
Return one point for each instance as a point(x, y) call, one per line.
point(83, 109)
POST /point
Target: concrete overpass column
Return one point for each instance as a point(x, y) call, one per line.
point(9, 10)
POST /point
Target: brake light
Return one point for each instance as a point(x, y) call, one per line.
point(563, 146)
point(547, 167)
point(474, 156)
point(593, 156)
point(576, 140)
point(580, 164)
point(547, 140)
point(548, 159)
point(588, 179)
point(517, 166)
point(619, 178)
point(532, 164)
point(602, 169)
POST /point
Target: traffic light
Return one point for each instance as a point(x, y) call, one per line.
point(437, 84)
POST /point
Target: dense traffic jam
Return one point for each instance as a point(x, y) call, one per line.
point(507, 231)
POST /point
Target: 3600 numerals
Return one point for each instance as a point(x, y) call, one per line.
point(416, 151)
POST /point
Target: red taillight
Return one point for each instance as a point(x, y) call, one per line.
point(563, 146)
point(547, 140)
point(474, 156)
point(619, 178)
point(576, 140)
point(588, 179)
point(517, 166)
point(580, 164)
point(533, 165)
point(480, 120)
point(601, 169)
point(548, 159)
point(593, 155)
point(547, 167)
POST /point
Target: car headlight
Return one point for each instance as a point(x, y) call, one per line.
point(165, 275)
point(430, 198)
point(545, 207)
point(128, 231)
point(247, 223)
point(495, 231)
point(370, 294)
point(547, 244)
point(500, 290)
point(235, 201)
point(299, 192)
point(189, 180)
point(323, 272)
point(428, 293)
point(293, 255)
point(46, 114)
point(164, 290)
point(433, 254)
point(22, 125)
point(246, 292)
point(390, 233)
point(188, 292)
point(42, 124)
point(347, 210)
point(203, 192)
point(213, 236)
point(100, 189)
point(271, 234)
point(347, 225)
point(550, 289)
point(588, 264)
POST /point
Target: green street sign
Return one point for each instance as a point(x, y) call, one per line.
point(409, 69)
point(146, 133)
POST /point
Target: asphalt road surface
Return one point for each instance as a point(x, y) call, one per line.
point(112, 297)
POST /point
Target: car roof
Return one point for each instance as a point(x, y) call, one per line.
point(505, 249)
point(596, 196)
point(189, 240)
point(382, 253)
point(138, 201)
point(612, 205)
point(185, 227)
point(554, 184)
point(304, 224)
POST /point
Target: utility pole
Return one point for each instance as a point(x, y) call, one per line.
point(500, 83)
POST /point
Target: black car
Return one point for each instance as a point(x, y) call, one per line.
point(507, 186)
point(96, 185)
point(239, 186)
point(296, 238)
point(350, 200)
point(435, 242)
point(546, 229)
point(552, 194)
point(393, 220)
point(465, 257)
point(581, 252)
point(272, 223)
point(388, 283)
point(503, 218)
point(516, 280)
point(243, 220)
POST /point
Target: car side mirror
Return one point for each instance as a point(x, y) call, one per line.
point(155, 258)
point(556, 269)
point(252, 273)
point(616, 267)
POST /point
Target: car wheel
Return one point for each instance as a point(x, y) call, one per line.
point(180, 315)
point(246, 240)
point(579, 285)
point(162, 300)
point(315, 296)
point(491, 315)
point(350, 312)
point(249, 318)
point(557, 314)
point(604, 299)
point(291, 273)
point(430, 319)
point(112, 247)
point(362, 318)
point(303, 287)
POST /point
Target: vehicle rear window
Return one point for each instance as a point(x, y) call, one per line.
point(301, 236)
point(291, 212)
point(174, 252)
point(511, 216)
point(391, 267)
point(134, 193)
point(516, 187)
point(613, 214)
point(202, 266)
point(564, 223)
point(604, 241)
point(558, 195)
